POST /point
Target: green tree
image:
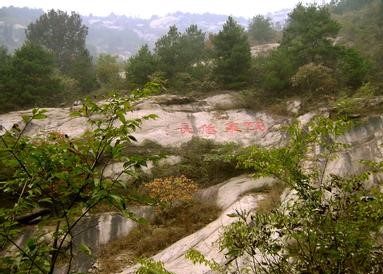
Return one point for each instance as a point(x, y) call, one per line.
point(260, 30)
point(60, 33)
point(180, 56)
point(108, 69)
point(308, 34)
point(5, 62)
point(341, 6)
point(167, 51)
point(308, 39)
point(64, 35)
point(273, 72)
point(351, 68)
point(192, 47)
point(65, 176)
point(30, 79)
point(140, 66)
point(4, 56)
point(232, 55)
point(362, 27)
point(83, 71)
point(192, 71)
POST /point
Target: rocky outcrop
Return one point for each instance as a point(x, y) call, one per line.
point(232, 195)
point(179, 120)
point(218, 118)
point(365, 142)
point(95, 231)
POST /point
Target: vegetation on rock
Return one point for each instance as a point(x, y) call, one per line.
point(65, 177)
point(326, 224)
point(170, 190)
point(328, 55)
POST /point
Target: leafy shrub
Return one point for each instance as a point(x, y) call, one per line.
point(330, 224)
point(315, 79)
point(171, 190)
point(202, 161)
point(149, 266)
point(359, 103)
point(65, 177)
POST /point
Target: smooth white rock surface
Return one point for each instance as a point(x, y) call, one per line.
point(214, 118)
point(229, 198)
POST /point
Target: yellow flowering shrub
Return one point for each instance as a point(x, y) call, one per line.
point(170, 190)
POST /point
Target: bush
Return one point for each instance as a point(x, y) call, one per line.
point(148, 239)
point(314, 79)
point(200, 162)
point(327, 223)
point(171, 190)
point(64, 177)
point(361, 102)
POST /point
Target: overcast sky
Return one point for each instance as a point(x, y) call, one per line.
point(147, 8)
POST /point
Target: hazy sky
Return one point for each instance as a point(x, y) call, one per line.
point(146, 8)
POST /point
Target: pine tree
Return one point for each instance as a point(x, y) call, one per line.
point(140, 67)
point(308, 34)
point(167, 51)
point(261, 30)
point(64, 36)
point(232, 55)
point(30, 79)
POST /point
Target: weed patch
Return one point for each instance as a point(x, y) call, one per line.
point(146, 240)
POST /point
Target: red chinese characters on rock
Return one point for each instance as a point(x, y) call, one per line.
point(207, 129)
point(232, 127)
point(186, 129)
point(257, 126)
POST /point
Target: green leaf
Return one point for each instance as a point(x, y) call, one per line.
point(150, 117)
point(134, 217)
point(85, 249)
point(46, 200)
point(31, 244)
point(39, 116)
point(121, 117)
point(26, 118)
point(75, 114)
point(96, 182)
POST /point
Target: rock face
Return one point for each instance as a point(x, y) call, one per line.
point(98, 230)
point(230, 196)
point(365, 142)
point(217, 118)
point(58, 120)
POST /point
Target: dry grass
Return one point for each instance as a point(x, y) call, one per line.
point(146, 240)
point(273, 196)
point(272, 199)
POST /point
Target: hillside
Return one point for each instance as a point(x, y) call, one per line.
point(118, 34)
point(362, 28)
point(182, 131)
point(238, 151)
